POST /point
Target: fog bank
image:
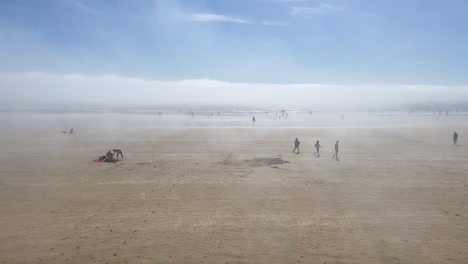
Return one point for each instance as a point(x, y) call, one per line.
point(37, 87)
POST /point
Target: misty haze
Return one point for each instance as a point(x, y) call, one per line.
point(247, 131)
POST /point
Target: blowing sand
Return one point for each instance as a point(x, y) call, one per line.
point(234, 195)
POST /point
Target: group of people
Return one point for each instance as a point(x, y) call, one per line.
point(109, 157)
point(335, 156)
point(317, 147)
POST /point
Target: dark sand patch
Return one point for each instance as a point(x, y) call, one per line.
point(260, 162)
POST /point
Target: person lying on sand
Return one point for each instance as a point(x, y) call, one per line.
point(68, 132)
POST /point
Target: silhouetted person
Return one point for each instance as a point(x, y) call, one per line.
point(317, 147)
point(335, 156)
point(296, 146)
point(455, 138)
point(71, 131)
point(109, 156)
point(253, 120)
point(118, 152)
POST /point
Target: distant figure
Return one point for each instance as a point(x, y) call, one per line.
point(118, 152)
point(71, 131)
point(253, 120)
point(317, 147)
point(335, 156)
point(296, 146)
point(109, 156)
point(455, 138)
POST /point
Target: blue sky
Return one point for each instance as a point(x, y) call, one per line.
point(341, 42)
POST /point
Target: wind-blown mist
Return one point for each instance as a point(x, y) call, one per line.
point(112, 89)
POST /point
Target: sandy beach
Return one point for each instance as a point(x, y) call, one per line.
point(234, 195)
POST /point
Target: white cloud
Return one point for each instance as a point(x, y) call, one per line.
point(273, 23)
point(111, 89)
point(314, 10)
point(80, 5)
point(206, 17)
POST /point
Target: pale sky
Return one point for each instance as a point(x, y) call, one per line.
point(225, 51)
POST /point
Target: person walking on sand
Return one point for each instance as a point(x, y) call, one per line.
point(253, 120)
point(118, 152)
point(455, 138)
point(335, 156)
point(317, 147)
point(296, 146)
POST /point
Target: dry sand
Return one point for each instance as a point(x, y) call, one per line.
point(233, 195)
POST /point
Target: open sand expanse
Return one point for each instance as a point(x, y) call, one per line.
point(234, 195)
